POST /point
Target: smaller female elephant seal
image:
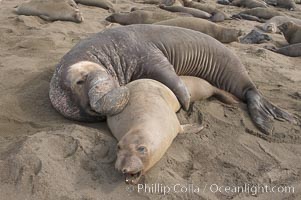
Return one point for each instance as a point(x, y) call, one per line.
point(141, 17)
point(98, 3)
point(194, 12)
point(263, 13)
point(217, 15)
point(293, 50)
point(51, 10)
point(291, 32)
point(248, 3)
point(219, 32)
point(148, 124)
point(288, 4)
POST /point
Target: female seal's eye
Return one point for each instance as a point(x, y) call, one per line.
point(80, 82)
point(118, 147)
point(141, 149)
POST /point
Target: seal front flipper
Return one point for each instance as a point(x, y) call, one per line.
point(262, 112)
point(157, 67)
point(105, 96)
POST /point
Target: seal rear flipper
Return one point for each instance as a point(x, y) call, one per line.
point(225, 97)
point(262, 112)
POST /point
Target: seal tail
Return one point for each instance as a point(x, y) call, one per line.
point(262, 112)
point(224, 96)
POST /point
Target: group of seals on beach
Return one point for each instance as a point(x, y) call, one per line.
point(138, 76)
point(121, 55)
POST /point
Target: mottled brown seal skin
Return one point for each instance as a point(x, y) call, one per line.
point(142, 137)
point(162, 53)
point(288, 4)
point(194, 12)
point(264, 13)
point(271, 26)
point(217, 15)
point(293, 50)
point(248, 3)
point(291, 32)
point(141, 17)
point(51, 10)
point(221, 33)
point(105, 4)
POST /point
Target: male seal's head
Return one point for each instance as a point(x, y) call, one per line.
point(134, 153)
point(94, 90)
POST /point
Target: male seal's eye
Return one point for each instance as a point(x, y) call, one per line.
point(141, 149)
point(118, 147)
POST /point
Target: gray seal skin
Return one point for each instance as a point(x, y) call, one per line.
point(51, 10)
point(293, 50)
point(219, 32)
point(194, 12)
point(248, 3)
point(161, 53)
point(255, 37)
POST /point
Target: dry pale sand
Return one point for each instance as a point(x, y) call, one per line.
point(44, 156)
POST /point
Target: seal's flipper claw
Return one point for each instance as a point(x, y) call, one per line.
point(191, 128)
point(262, 112)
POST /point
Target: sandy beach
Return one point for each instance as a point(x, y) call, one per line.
point(45, 156)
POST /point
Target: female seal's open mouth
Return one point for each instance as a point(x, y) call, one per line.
point(132, 178)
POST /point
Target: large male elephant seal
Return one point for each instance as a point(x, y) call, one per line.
point(291, 32)
point(120, 55)
point(142, 137)
point(51, 10)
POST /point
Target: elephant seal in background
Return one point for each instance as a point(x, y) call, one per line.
point(51, 10)
point(161, 53)
point(148, 124)
point(271, 26)
point(255, 37)
point(97, 3)
point(293, 50)
point(291, 32)
point(141, 17)
point(221, 33)
point(288, 4)
point(248, 3)
point(217, 15)
point(194, 12)
point(264, 13)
